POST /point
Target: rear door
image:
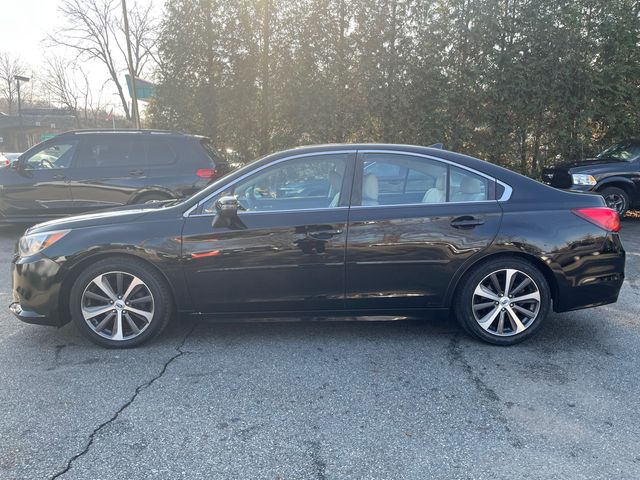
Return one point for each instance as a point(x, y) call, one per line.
point(407, 240)
point(108, 170)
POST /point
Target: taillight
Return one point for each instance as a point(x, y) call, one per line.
point(603, 217)
point(208, 173)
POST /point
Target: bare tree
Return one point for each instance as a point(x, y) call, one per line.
point(60, 83)
point(10, 66)
point(94, 31)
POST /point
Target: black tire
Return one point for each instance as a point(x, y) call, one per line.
point(151, 197)
point(464, 300)
point(159, 290)
point(616, 198)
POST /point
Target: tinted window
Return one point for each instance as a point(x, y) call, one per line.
point(54, 155)
point(112, 151)
point(466, 186)
point(160, 153)
point(395, 179)
point(302, 183)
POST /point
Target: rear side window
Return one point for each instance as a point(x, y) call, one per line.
point(466, 186)
point(112, 151)
point(160, 153)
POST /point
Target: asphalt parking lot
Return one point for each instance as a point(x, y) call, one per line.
point(336, 400)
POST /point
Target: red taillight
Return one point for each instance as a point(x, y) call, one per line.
point(208, 173)
point(603, 217)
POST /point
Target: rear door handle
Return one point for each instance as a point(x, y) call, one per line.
point(324, 234)
point(136, 173)
point(467, 221)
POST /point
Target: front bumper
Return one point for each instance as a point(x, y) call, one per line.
point(36, 290)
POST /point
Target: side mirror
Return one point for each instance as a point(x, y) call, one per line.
point(227, 206)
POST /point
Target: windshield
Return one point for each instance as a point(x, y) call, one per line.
point(626, 151)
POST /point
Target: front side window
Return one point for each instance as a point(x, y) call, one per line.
point(56, 155)
point(397, 179)
point(301, 183)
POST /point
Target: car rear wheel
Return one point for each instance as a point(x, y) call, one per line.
point(616, 198)
point(120, 302)
point(503, 301)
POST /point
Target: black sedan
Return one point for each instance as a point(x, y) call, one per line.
point(398, 231)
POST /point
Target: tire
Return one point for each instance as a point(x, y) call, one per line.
point(616, 198)
point(146, 306)
point(151, 197)
point(481, 316)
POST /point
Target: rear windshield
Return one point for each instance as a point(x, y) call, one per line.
point(220, 163)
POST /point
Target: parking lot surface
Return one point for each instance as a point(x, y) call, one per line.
point(336, 400)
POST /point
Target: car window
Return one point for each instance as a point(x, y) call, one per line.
point(466, 186)
point(301, 183)
point(160, 153)
point(418, 180)
point(626, 151)
point(54, 155)
point(112, 151)
point(396, 179)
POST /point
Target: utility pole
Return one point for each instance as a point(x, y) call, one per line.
point(134, 99)
point(18, 79)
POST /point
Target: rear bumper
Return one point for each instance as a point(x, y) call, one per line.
point(36, 290)
point(593, 280)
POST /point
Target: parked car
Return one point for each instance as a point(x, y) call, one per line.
point(6, 159)
point(89, 170)
point(613, 173)
point(497, 249)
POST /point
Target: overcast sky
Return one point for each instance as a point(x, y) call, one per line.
point(25, 23)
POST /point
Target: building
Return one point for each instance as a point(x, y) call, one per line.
point(18, 133)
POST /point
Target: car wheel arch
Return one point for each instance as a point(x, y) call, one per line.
point(618, 182)
point(151, 191)
point(544, 268)
point(77, 268)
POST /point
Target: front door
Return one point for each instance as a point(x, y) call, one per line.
point(407, 239)
point(38, 186)
point(286, 252)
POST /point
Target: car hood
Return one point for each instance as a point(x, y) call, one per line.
point(106, 217)
point(588, 163)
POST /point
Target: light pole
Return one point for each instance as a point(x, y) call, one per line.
point(18, 79)
point(134, 98)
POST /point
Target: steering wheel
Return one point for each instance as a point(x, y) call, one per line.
point(49, 163)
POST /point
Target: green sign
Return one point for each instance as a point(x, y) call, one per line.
point(144, 90)
point(46, 136)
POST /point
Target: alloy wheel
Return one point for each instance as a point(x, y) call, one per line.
point(506, 302)
point(615, 201)
point(117, 305)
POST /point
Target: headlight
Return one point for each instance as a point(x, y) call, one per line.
point(582, 179)
point(36, 242)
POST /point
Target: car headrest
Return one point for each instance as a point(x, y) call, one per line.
point(370, 187)
point(470, 185)
point(440, 182)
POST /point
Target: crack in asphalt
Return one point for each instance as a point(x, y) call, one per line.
point(139, 388)
point(493, 406)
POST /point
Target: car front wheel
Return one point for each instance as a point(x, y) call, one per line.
point(616, 198)
point(503, 301)
point(120, 302)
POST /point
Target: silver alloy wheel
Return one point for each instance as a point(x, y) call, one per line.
point(615, 201)
point(506, 302)
point(117, 305)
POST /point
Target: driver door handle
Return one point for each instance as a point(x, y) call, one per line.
point(59, 176)
point(136, 172)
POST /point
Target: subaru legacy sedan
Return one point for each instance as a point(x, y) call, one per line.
point(335, 231)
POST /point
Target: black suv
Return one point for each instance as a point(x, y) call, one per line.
point(88, 170)
point(614, 173)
